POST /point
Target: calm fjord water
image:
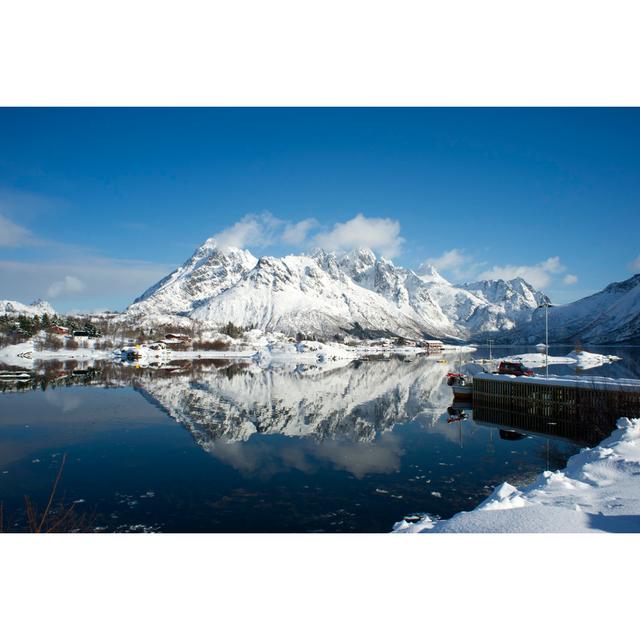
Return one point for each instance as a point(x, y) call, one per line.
point(225, 447)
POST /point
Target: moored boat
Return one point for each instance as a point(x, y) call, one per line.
point(461, 385)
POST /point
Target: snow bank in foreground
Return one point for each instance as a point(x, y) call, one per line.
point(599, 490)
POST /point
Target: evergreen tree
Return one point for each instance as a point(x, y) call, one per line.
point(232, 331)
point(26, 325)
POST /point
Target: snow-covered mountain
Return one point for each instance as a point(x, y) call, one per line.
point(327, 294)
point(484, 306)
point(608, 317)
point(36, 308)
point(402, 287)
point(457, 310)
point(308, 294)
point(207, 273)
point(515, 295)
point(504, 304)
point(312, 295)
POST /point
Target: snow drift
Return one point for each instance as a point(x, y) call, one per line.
point(599, 490)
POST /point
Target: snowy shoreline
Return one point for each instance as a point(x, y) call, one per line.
point(263, 349)
point(598, 491)
point(578, 359)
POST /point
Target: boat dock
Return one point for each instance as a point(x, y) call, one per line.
point(584, 407)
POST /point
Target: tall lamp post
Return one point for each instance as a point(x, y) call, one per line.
point(546, 304)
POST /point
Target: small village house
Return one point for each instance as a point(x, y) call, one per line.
point(60, 331)
point(432, 345)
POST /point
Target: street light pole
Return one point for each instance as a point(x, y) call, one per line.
point(546, 339)
point(546, 304)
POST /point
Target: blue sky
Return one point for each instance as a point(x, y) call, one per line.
point(97, 204)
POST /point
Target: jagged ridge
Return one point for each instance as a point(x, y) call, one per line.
point(327, 294)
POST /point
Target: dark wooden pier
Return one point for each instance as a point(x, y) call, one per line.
point(580, 408)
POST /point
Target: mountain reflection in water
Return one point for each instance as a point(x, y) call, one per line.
point(333, 447)
point(352, 402)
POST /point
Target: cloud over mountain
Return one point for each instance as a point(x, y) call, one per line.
point(539, 275)
point(381, 235)
point(69, 284)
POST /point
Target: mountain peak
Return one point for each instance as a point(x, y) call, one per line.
point(209, 271)
point(364, 253)
point(36, 308)
point(43, 306)
point(625, 285)
point(361, 256)
point(212, 246)
point(429, 273)
point(333, 293)
point(357, 262)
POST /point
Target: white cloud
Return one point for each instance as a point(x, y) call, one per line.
point(262, 230)
point(12, 234)
point(635, 265)
point(448, 260)
point(265, 229)
point(256, 230)
point(455, 263)
point(570, 279)
point(553, 265)
point(539, 275)
point(295, 234)
point(381, 235)
point(106, 282)
point(68, 285)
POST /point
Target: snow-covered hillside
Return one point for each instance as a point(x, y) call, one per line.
point(608, 317)
point(327, 294)
point(207, 273)
point(299, 293)
point(402, 287)
point(506, 303)
point(36, 308)
point(485, 306)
